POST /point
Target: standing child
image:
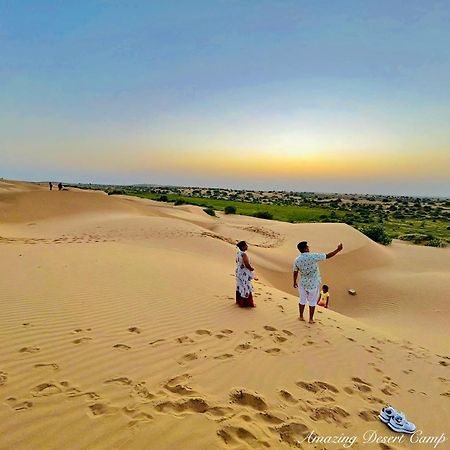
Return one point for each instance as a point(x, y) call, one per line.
point(324, 296)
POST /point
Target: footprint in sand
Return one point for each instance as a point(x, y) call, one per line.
point(288, 333)
point(203, 332)
point(253, 335)
point(243, 347)
point(270, 418)
point(177, 385)
point(317, 386)
point(120, 380)
point(269, 328)
point(74, 392)
point(122, 347)
point(184, 340)
point(287, 396)
point(246, 418)
point(278, 338)
point(18, 405)
point(369, 415)
point(194, 404)
point(81, 340)
point(101, 409)
point(292, 433)
point(29, 349)
point(330, 414)
point(226, 331)
point(3, 378)
point(387, 390)
point(134, 330)
point(136, 415)
point(45, 390)
point(190, 357)
point(247, 398)
point(375, 400)
point(361, 385)
point(157, 342)
point(390, 387)
point(220, 336)
point(326, 399)
point(236, 435)
point(273, 351)
point(141, 390)
point(224, 356)
point(52, 366)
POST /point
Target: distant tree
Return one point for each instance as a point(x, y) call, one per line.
point(116, 192)
point(180, 202)
point(230, 209)
point(163, 198)
point(263, 215)
point(210, 211)
point(377, 234)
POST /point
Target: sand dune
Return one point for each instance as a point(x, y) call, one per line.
point(119, 330)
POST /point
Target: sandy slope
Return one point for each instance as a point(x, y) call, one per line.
point(119, 330)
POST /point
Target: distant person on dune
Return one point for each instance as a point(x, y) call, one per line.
point(244, 277)
point(309, 286)
point(50, 185)
point(324, 296)
point(60, 186)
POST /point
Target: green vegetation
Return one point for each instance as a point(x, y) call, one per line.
point(209, 211)
point(284, 213)
point(230, 209)
point(423, 239)
point(423, 221)
point(377, 234)
point(116, 192)
point(264, 215)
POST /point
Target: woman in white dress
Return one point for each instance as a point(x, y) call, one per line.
point(244, 277)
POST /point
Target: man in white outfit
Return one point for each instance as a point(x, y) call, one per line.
point(309, 288)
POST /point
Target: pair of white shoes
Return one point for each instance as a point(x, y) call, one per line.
point(396, 420)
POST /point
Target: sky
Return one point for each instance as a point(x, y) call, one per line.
point(326, 96)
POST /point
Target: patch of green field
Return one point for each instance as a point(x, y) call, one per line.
point(395, 228)
point(284, 213)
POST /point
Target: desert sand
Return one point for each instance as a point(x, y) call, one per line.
point(120, 330)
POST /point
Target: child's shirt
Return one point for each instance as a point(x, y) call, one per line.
point(324, 296)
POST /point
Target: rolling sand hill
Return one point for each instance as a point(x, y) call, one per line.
point(119, 330)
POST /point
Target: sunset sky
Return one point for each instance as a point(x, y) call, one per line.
point(329, 96)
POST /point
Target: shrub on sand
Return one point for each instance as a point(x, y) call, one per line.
point(230, 209)
point(377, 234)
point(209, 211)
point(263, 215)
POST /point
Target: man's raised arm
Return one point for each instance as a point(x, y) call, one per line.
point(335, 252)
